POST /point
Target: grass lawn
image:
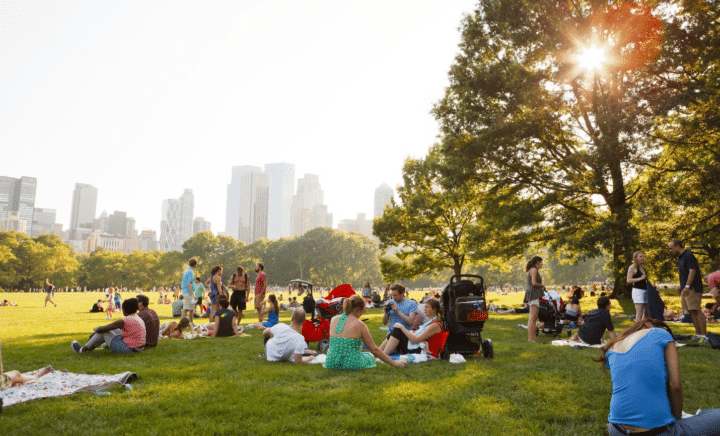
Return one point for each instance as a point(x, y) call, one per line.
point(222, 386)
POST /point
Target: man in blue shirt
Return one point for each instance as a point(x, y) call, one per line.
point(188, 290)
point(691, 286)
point(399, 310)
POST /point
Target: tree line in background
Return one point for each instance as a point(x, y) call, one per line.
point(322, 256)
point(539, 152)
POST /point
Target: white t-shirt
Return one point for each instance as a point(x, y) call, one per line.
point(284, 344)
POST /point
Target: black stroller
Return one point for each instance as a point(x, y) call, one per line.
point(465, 315)
point(552, 314)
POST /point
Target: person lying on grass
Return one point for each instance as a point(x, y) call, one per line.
point(647, 391)
point(347, 333)
point(174, 330)
point(285, 343)
point(273, 313)
point(596, 321)
point(13, 378)
point(125, 335)
point(404, 341)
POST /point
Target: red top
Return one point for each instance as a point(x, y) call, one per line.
point(436, 343)
point(260, 283)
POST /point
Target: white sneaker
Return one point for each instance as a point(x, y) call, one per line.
point(76, 347)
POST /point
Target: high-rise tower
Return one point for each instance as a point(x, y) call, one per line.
point(282, 188)
point(232, 205)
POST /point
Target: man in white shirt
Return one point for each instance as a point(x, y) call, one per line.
point(284, 343)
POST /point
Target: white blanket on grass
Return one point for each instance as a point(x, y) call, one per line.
point(61, 383)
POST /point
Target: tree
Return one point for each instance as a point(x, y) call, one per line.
point(438, 223)
point(568, 134)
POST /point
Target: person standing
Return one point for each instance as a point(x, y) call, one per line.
point(50, 289)
point(691, 287)
point(534, 291)
point(637, 277)
point(239, 283)
point(260, 289)
point(367, 293)
point(215, 286)
point(199, 293)
point(188, 292)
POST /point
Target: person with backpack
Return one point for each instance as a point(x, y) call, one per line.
point(240, 284)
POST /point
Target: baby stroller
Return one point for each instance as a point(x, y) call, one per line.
point(318, 328)
point(551, 313)
point(465, 315)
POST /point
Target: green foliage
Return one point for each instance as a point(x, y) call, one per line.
point(567, 139)
point(25, 262)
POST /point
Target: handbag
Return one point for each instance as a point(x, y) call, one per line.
point(714, 340)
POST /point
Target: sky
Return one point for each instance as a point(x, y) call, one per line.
point(144, 99)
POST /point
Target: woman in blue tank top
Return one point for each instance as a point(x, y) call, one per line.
point(647, 391)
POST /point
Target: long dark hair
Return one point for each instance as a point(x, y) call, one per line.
point(276, 307)
point(532, 263)
point(628, 331)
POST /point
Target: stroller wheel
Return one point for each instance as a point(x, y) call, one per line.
point(487, 349)
point(323, 345)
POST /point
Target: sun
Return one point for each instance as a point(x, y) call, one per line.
point(591, 58)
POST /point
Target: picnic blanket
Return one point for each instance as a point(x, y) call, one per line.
point(61, 383)
point(413, 358)
point(562, 343)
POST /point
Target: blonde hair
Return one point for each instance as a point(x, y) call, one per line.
point(352, 303)
point(635, 261)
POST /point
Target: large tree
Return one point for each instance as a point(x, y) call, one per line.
point(560, 99)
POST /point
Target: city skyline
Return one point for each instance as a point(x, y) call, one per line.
point(143, 100)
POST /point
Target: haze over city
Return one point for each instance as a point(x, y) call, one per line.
point(144, 100)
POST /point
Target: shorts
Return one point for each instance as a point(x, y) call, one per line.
point(259, 298)
point(188, 302)
point(639, 296)
point(534, 303)
point(693, 300)
point(213, 298)
point(5, 382)
point(237, 299)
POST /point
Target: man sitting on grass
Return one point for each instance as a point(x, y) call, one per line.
point(125, 335)
point(225, 320)
point(177, 307)
point(593, 329)
point(151, 320)
point(284, 343)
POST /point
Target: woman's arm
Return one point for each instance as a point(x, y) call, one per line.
point(674, 385)
point(268, 310)
point(234, 326)
point(119, 324)
point(630, 274)
point(377, 352)
point(431, 331)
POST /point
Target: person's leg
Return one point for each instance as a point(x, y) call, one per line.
point(707, 422)
point(390, 345)
point(98, 339)
point(532, 320)
point(699, 322)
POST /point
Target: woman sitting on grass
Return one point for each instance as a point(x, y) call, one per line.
point(647, 391)
point(125, 335)
point(405, 341)
point(347, 333)
point(273, 313)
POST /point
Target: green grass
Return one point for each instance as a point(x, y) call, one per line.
point(221, 386)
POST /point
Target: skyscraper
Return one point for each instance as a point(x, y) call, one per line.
point(43, 221)
point(18, 195)
point(383, 195)
point(253, 208)
point(282, 188)
point(176, 221)
point(308, 210)
point(82, 213)
point(200, 225)
point(232, 205)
